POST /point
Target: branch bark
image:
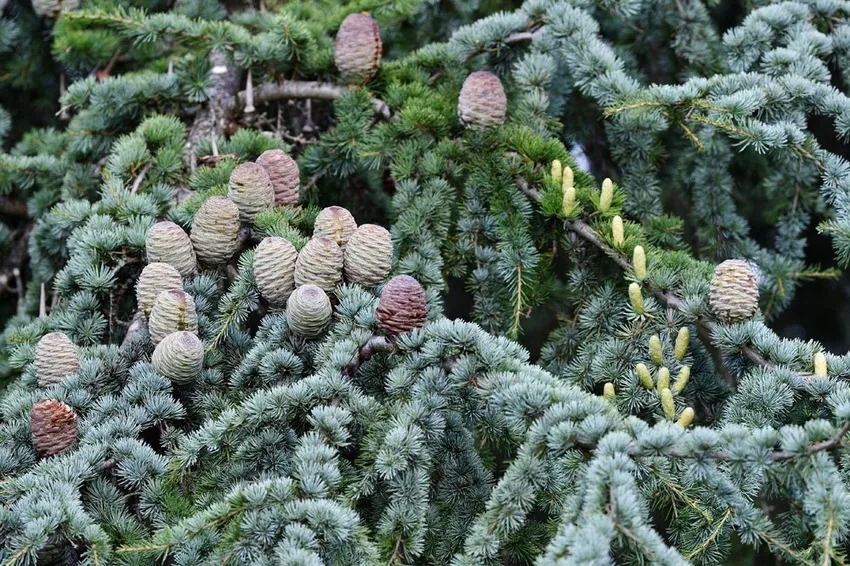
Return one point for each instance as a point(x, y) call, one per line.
point(270, 92)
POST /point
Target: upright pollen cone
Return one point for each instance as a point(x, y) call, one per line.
point(250, 190)
point(55, 359)
point(358, 47)
point(482, 103)
point(283, 173)
point(335, 223)
point(402, 306)
point(173, 311)
point(54, 427)
point(155, 278)
point(215, 231)
point(166, 242)
point(274, 269)
point(734, 294)
point(319, 263)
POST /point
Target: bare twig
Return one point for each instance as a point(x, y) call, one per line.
point(298, 89)
point(42, 303)
point(372, 346)
point(140, 178)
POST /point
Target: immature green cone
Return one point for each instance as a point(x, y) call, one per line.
point(482, 102)
point(734, 294)
point(358, 47)
point(319, 263)
point(283, 172)
point(369, 255)
point(308, 311)
point(402, 306)
point(55, 359)
point(179, 357)
point(51, 8)
point(173, 311)
point(250, 190)
point(335, 223)
point(274, 269)
point(154, 279)
point(54, 427)
point(166, 242)
point(215, 231)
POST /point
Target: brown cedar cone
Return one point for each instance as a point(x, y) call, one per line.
point(54, 427)
point(251, 190)
point(734, 293)
point(336, 223)
point(274, 269)
point(166, 242)
point(55, 359)
point(283, 172)
point(482, 102)
point(174, 310)
point(369, 255)
point(154, 279)
point(179, 357)
point(51, 8)
point(320, 264)
point(402, 306)
point(308, 311)
point(357, 48)
point(215, 231)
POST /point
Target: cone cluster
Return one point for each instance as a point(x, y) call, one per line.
point(482, 102)
point(734, 294)
point(54, 427)
point(55, 359)
point(358, 47)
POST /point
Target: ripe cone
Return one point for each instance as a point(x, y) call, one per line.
point(173, 311)
point(402, 306)
point(308, 311)
point(734, 295)
point(251, 190)
point(274, 269)
point(482, 102)
point(369, 255)
point(179, 357)
point(358, 47)
point(166, 242)
point(319, 263)
point(215, 231)
point(283, 173)
point(54, 427)
point(154, 279)
point(335, 223)
point(55, 359)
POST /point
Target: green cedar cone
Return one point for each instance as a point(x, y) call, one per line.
point(154, 279)
point(319, 263)
point(274, 269)
point(215, 231)
point(174, 310)
point(55, 359)
point(308, 311)
point(166, 242)
point(335, 223)
point(251, 190)
point(369, 255)
point(179, 357)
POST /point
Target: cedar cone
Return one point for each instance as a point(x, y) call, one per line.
point(734, 295)
point(274, 269)
point(51, 8)
point(179, 357)
point(54, 427)
point(215, 231)
point(336, 223)
point(308, 311)
point(55, 359)
point(357, 48)
point(251, 190)
point(283, 172)
point(154, 279)
point(482, 102)
point(174, 310)
point(402, 306)
point(369, 255)
point(166, 242)
point(320, 264)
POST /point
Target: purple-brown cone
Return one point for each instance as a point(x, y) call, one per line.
point(402, 306)
point(358, 47)
point(54, 427)
point(482, 102)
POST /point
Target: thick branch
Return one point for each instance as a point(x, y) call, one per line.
point(299, 89)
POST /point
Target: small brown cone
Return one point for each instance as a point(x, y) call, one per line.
point(179, 357)
point(166, 242)
point(215, 231)
point(734, 295)
point(369, 255)
point(154, 279)
point(319, 263)
point(250, 190)
point(402, 306)
point(55, 359)
point(308, 311)
point(54, 427)
point(358, 47)
point(482, 102)
point(274, 269)
point(283, 172)
point(335, 223)
point(173, 311)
